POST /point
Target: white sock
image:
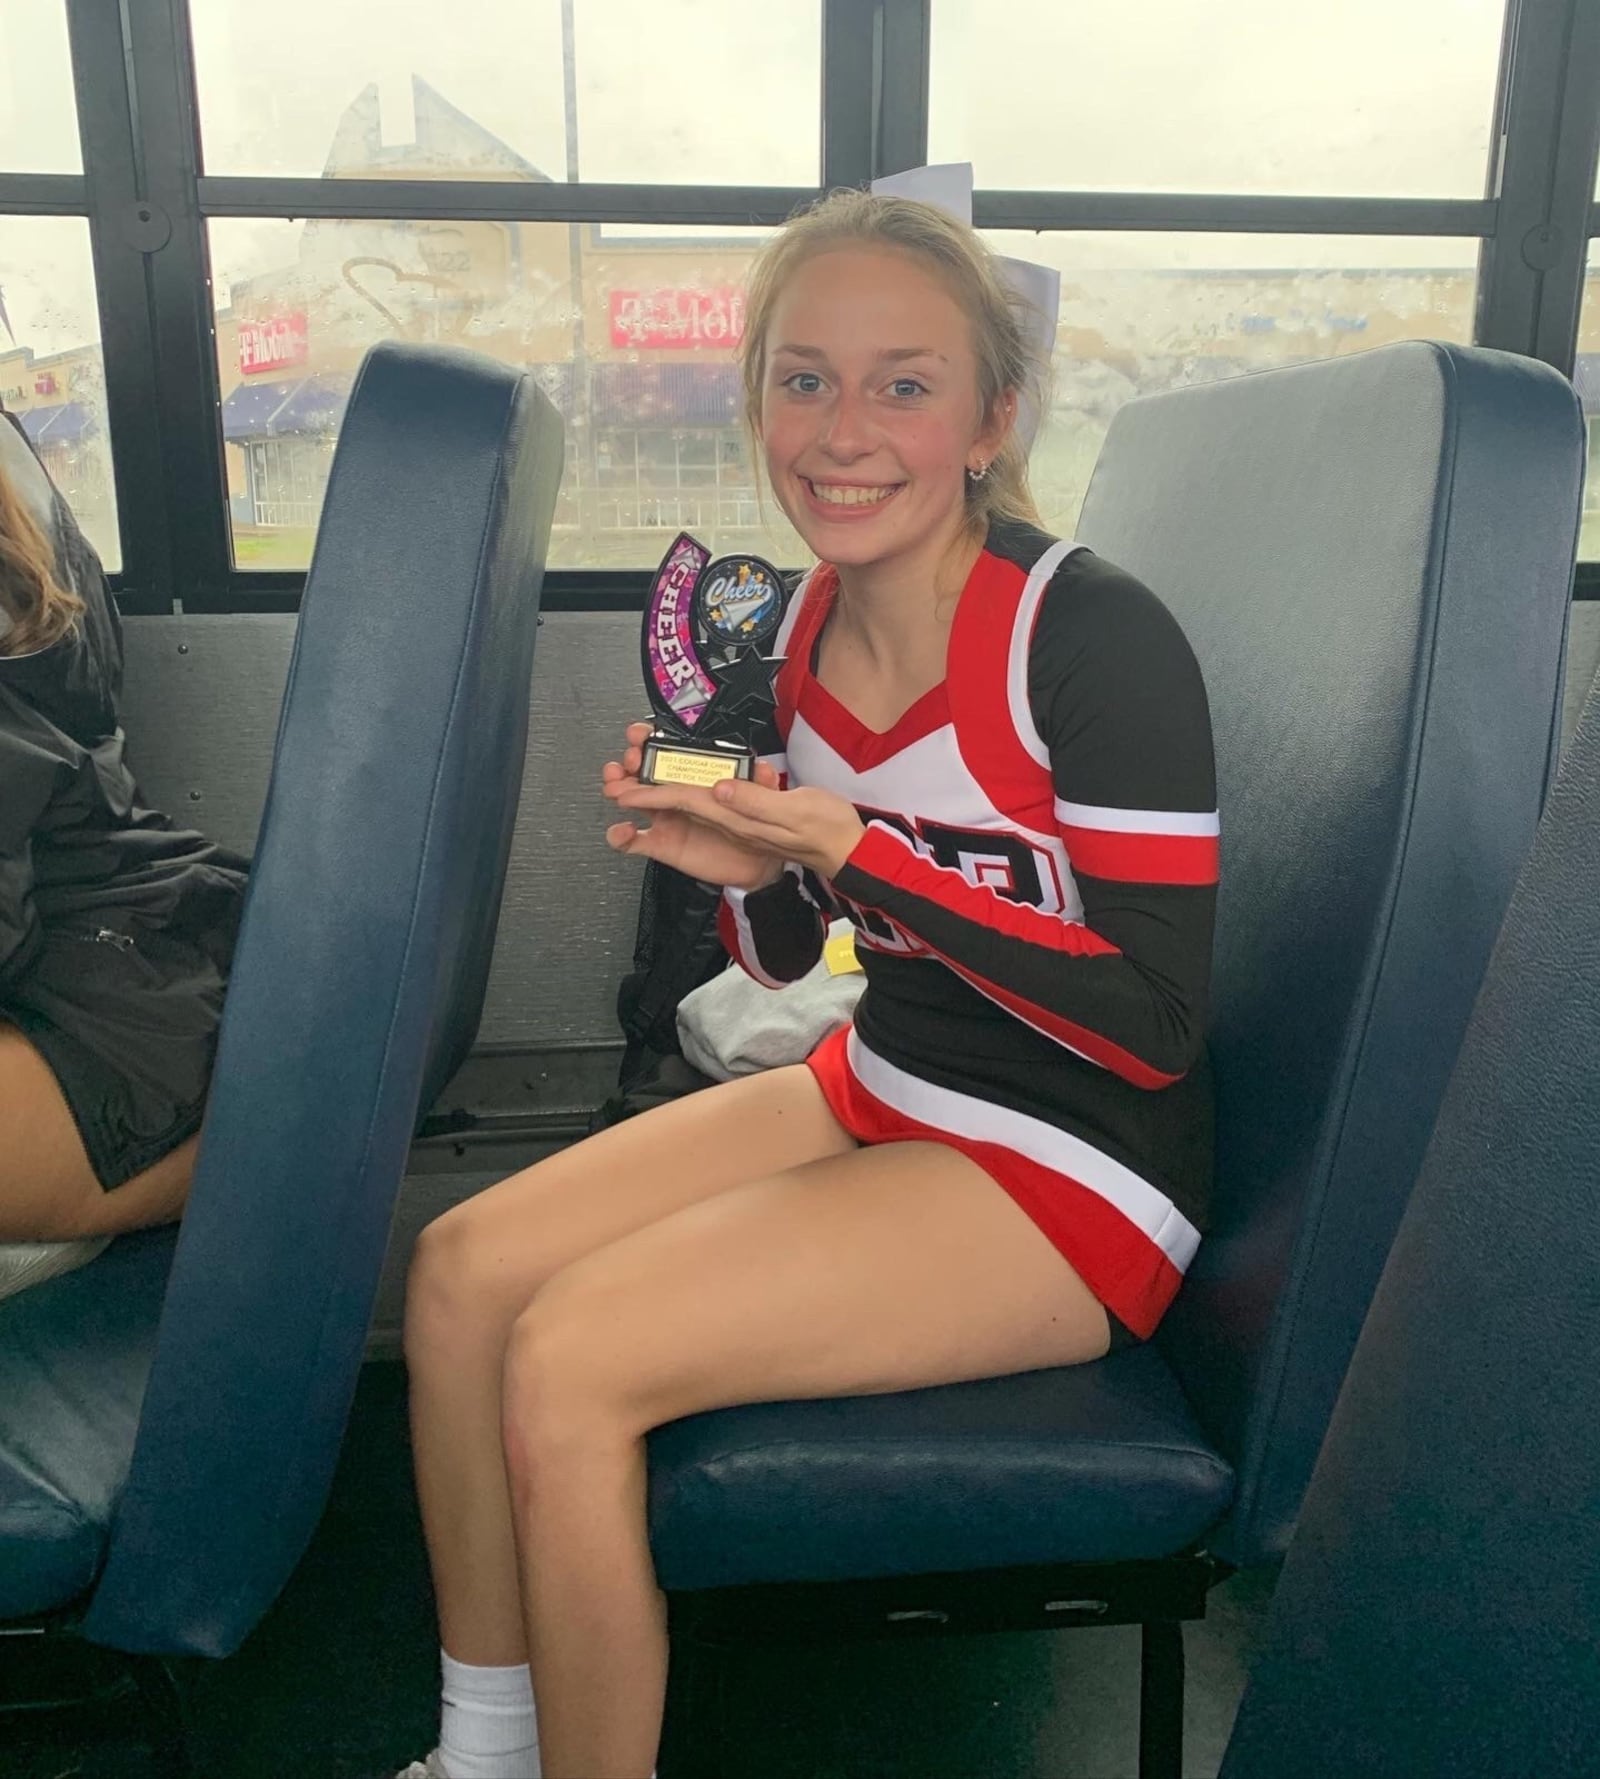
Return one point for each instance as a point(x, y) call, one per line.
point(487, 1729)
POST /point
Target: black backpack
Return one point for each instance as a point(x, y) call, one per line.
point(675, 949)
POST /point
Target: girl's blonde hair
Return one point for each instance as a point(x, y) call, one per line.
point(40, 609)
point(1000, 319)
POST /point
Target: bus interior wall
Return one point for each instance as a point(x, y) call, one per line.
point(201, 698)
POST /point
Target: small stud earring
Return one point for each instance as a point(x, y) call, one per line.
point(977, 475)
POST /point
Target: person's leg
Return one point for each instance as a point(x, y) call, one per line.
point(48, 1189)
point(478, 1267)
point(886, 1268)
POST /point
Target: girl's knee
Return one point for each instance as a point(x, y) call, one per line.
point(445, 1284)
point(541, 1346)
point(560, 1396)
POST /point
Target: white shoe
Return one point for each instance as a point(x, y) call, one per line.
point(424, 1769)
point(30, 1263)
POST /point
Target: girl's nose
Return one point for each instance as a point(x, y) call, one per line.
point(848, 433)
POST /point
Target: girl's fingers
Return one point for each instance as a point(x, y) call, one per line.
point(749, 797)
point(634, 795)
point(697, 804)
point(635, 735)
point(644, 843)
point(692, 800)
point(693, 805)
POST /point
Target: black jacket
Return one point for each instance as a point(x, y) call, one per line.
point(80, 855)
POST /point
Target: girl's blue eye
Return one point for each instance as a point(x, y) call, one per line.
point(907, 387)
point(803, 382)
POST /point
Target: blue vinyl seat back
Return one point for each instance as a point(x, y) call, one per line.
point(356, 984)
point(1372, 558)
point(74, 1357)
point(1437, 1611)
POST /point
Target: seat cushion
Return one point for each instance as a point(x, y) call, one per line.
point(1088, 1463)
point(74, 1355)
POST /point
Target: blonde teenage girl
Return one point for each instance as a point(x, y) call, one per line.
point(998, 764)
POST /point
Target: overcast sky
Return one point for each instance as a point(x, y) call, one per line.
point(1363, 97)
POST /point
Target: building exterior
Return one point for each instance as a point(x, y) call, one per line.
point(633, 340)
point(60, 400)
point(632, 335)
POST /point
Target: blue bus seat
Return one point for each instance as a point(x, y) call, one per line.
point(1372, 558)
point(1437, 1610)
point(74, 1358)
point(355, 994)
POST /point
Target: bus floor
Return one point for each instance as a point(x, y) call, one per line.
point(340, 1680)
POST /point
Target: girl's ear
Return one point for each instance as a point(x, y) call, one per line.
point(997, 428)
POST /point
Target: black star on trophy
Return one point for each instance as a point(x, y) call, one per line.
point(709, 684)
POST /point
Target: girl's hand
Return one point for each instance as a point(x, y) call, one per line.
point(810, 826)
point(674, 837)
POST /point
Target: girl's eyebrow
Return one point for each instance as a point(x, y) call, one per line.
point(895, 354)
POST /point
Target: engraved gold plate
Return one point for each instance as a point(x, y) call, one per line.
point(664, 763)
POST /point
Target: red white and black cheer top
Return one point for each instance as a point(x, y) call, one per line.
point(1033, 902)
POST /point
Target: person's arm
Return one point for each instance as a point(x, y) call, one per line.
point(1119, 706)
point(775, 933)
point(29, 768)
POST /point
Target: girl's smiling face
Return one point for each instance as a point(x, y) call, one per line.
point(870, 409)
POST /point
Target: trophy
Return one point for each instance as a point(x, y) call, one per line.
point(708, 682)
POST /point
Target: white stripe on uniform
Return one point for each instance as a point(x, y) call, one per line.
point(979, 1121)
point(1136, 821)
point(1021, 639)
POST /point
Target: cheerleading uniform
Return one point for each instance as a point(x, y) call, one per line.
point(1033, 901)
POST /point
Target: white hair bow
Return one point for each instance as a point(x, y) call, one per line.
point(949, 188)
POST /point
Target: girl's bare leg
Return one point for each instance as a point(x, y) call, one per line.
point(886, 1268)
point(478, 1267)
point(48, 1190)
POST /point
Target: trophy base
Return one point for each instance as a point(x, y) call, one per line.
point(667, 760)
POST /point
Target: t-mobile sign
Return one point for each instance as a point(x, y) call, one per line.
point(273, 345)
point(677, 318)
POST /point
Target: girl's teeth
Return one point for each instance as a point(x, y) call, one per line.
point(850, 497)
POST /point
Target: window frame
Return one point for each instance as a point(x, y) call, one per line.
point(148, 203)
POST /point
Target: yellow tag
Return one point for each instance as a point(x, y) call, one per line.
point(840, 955)
point(670, 767)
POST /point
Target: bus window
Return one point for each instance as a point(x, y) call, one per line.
point(670, 91)
point(52, 376)
point(1362, 100)
point(632, 338)
point(38, 117)
point(1141, 313)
